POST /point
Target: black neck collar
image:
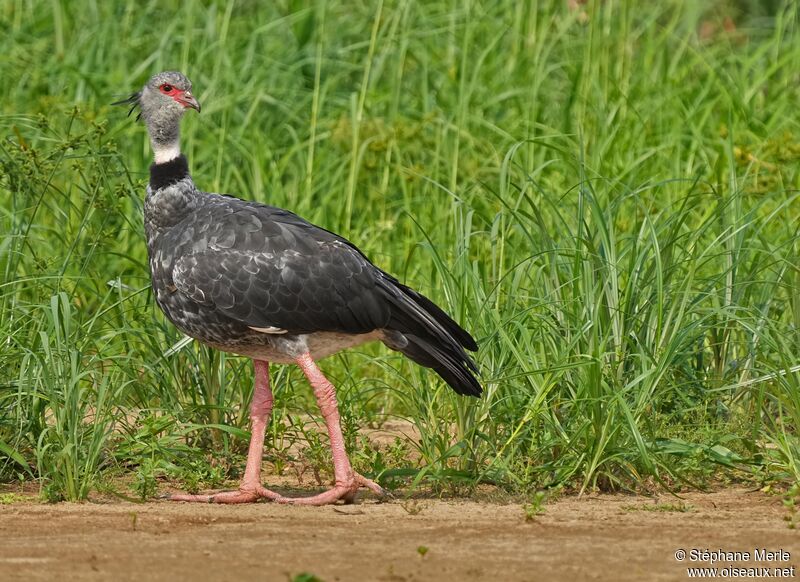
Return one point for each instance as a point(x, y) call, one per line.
point(168, 173)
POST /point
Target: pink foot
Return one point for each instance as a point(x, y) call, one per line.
point(344, 491)
point(347, 480)
point(243, 495)
point(250, 490)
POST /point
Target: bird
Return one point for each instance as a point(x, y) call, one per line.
point(260, 281)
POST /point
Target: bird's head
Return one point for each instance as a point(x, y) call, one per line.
point(166, 96)
point(162, 102)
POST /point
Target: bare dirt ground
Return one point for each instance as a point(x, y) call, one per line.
point(598, 537)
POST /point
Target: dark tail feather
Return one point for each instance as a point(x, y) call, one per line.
point(458, 332)
point(456, 369)
point(431, 338)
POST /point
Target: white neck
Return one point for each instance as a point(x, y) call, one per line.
point(165, 153)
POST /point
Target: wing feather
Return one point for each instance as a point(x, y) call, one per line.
point(268, 268)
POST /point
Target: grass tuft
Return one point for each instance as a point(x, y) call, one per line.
point(607, 198)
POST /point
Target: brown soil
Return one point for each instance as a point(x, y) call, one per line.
point(605, 537)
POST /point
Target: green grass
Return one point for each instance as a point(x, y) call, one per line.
point(607, 199)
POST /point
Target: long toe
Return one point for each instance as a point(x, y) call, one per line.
point(341, 491)
point(238, 496)
point(382, 493)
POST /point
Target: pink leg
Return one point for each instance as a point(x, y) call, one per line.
point(347, 480)
point(250, 489)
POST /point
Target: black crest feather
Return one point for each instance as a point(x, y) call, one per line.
point(133, 101)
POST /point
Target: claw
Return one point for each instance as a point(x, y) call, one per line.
point(386, 496)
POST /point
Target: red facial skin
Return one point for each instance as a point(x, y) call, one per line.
point(177, 95)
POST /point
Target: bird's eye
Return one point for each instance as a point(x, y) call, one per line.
point(165, 88)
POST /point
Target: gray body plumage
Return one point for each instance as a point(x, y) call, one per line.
point(221, 267)
point(260, 281)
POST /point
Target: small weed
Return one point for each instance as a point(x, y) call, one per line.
point(422, 550)
point(306, 577)
point(791, 500)
point(316, 455)
point(10, 498)
point(146, 482)
point(535, 506)
point(198, 474)
point(388, 465)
